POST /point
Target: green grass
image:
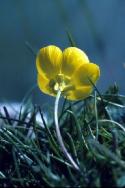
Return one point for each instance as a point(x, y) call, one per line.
point(93, 132)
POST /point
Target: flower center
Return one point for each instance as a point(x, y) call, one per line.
point(60, 82)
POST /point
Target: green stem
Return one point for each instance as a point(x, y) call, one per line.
point(59, 137)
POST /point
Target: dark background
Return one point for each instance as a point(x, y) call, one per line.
point(98, 28)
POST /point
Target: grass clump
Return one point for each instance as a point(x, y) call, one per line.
point(93, 132)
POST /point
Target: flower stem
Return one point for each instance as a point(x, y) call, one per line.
point(59, 137)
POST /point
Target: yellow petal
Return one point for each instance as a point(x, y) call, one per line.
point(49, 61)
point(43, 84)
point(85, 73)
point(79, 93)
point(72, 58)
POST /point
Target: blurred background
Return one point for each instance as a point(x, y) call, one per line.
point(97, 27)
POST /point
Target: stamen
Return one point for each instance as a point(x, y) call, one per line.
point(61, 83)
point(56, 87)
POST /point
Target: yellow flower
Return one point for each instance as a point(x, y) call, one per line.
point(69, 71)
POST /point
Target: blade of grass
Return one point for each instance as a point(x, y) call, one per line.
point(96, 116)
point(105, 152)
point(70, 38)
point(51, 139)
point(7, 115)
point(112, 122)
point(17, 168)
point(79, 131)
point(72, 147)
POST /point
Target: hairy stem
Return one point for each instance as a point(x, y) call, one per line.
point(59, 137)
